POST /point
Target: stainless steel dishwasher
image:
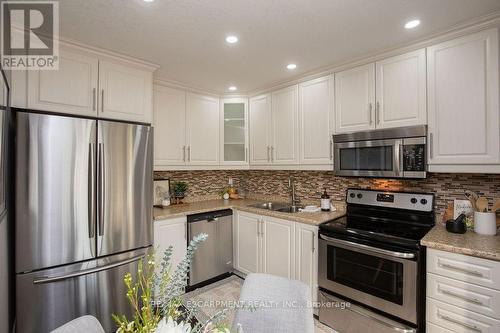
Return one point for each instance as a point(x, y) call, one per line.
point(214, 257)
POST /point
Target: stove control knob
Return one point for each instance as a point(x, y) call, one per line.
point(360, 195)
point(352, 195)
point(423, 201)
point(413, 200)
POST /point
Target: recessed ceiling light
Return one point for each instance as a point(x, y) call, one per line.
point(231, 39)
point(412, 24)
point(232, 88)
point(148, 0)
point(291, 66)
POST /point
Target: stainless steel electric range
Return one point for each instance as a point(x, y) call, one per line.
point(372, 259)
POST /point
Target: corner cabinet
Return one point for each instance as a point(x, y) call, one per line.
point(463, 98)
point(234, 131)
point(89, 83)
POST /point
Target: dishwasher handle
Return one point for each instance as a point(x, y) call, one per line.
point(209, 216)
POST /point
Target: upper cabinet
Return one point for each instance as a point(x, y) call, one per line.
point(355, 99)
point(125, 92)
point(316, 121)
point(202, 130)
point(401, 91)
point(463, 98)
point(260, 129)
point(170, 126)
point(234, 131)
point(88, 83)
point(385, 94)
point(285, 139)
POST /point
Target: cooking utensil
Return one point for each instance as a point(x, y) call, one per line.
point(472, 198)
point(496, 205)
point(482, 204)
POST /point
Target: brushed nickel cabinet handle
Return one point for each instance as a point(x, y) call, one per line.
point(272, 153)
point(331, 149)
point(458, 322)
point(93, 99)
point(431, 144)
point(268, 158)
point(102, 100)
point(377, 113)
point(465, 298)
point(184, 153)
point(313, 238)
point(463, 270)
point(189, 153)
point(246, 154)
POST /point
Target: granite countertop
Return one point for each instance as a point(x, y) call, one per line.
point(470, 243)
point(242, 205)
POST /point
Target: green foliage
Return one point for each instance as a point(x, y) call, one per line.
point(180, 187)
point(168, 287)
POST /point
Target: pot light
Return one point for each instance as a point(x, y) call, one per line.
point(291, 66)
point(148, 0)
point(231, 39)
point(232, 88)
point(412, 24)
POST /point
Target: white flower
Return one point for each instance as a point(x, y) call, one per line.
point(170, 326)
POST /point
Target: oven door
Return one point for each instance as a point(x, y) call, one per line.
point(382, 279)
point(375, 158)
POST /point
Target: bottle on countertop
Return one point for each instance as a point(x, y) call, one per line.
point(325, 202)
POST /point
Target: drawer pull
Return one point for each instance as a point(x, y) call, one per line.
point(465, 298)
point(464, 270)
point(458, 322)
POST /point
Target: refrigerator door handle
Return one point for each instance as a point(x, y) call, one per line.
point(91, 192)
point(49, 279)
point(101, 187)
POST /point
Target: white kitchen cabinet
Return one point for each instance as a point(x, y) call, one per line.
point(260, 129)
point(125, 92)
point(70, 89)
point(463, 104)
point(169, 120)
point(234, 131)
point(316, 121)
point(246, 246)
point(285, 138)
point(278, 238)
point(202, 130)
point(171, 232)
point(306, 256)
point(355, 99)
point(401, 98)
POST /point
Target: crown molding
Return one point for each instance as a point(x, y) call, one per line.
point(187, 87)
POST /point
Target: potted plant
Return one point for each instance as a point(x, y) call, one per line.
point(180, 189)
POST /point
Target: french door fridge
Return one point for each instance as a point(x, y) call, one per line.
point(83, 216)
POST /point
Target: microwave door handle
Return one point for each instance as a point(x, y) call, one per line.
point(398, 158)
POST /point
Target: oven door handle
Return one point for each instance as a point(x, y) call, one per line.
point(367, 248)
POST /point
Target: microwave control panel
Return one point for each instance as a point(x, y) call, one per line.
point(414, 157)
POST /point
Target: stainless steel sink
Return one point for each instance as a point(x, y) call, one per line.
point(277, 207)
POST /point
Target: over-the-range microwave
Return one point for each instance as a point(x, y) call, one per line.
point(386, 153)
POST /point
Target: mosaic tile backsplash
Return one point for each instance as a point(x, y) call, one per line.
point(273, 185)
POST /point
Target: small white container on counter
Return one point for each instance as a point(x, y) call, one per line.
point(485, 223)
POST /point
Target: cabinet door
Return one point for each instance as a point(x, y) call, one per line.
point(202, 130)
point(246, 242)
point(463, 97)
point(234, 131)
point(355, 99)
point(306, 256)
point(170, 126)
point(171, 232)
point(71, 89)
point(260, 118)
point(316, 121)
point(285, 129)
point(278, 238)
point(125, 92)
point(401, 91)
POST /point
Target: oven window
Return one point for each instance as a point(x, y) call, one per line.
point(370, 274)
point(367, 158)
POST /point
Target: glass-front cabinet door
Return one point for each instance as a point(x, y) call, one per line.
point(234, 134)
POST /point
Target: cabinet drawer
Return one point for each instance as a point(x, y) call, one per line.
point(431, 328)
point(465, 295)
point(474, 270)
point(459, 320)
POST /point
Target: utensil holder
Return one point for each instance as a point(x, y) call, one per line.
point(485, 223)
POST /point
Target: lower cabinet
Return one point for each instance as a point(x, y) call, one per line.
point(171, 232)
point(269, 245)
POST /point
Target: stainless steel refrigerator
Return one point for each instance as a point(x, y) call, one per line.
point(83, 217)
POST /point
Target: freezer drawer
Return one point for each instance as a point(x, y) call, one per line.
point(48, 299)
point(214, 257)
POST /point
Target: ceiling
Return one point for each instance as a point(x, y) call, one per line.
point(187, 37)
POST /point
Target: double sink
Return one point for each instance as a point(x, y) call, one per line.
point(277, 207)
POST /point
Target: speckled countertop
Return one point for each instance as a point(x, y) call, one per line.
point(242, 205)
point(470, 243)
